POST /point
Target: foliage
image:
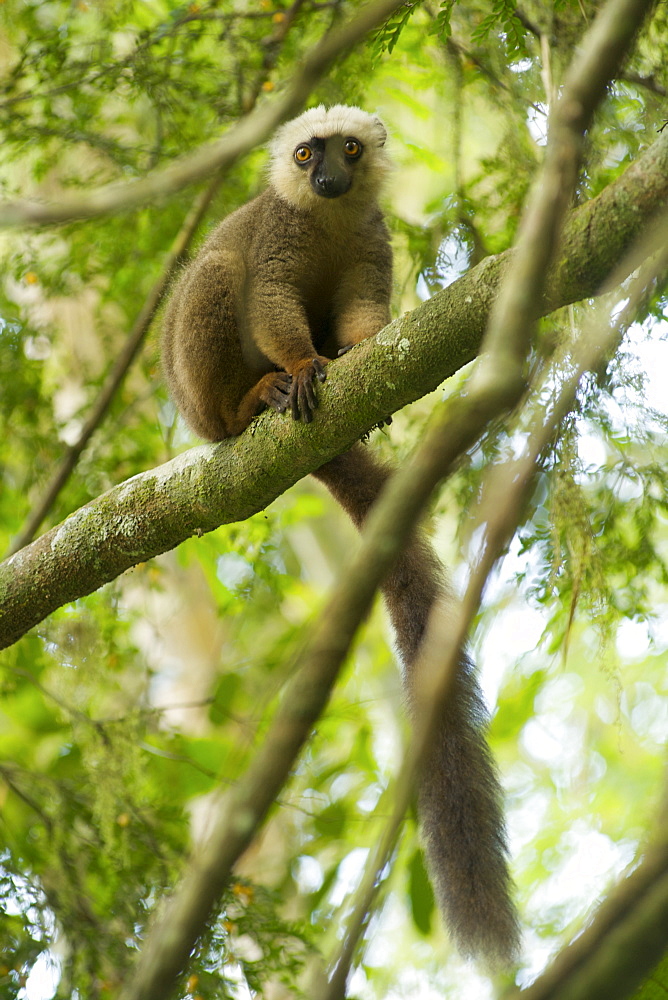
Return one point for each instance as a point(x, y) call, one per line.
point(124, 714)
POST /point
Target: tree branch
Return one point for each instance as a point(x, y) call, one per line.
point(175, 930)
point(215, 484)
point(217, 156)
point(508, 483)
point(497, 382)
point(181, 920)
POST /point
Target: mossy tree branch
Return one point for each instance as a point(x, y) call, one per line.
point(216, 484)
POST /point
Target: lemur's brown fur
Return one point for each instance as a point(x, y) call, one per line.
point(281, 287)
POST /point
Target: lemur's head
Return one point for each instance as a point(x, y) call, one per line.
point(329, 153)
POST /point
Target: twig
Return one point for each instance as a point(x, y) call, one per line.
point(75, 713)
point(7, 776)
point(645, 81)
point(217, 156)
point(459, 49)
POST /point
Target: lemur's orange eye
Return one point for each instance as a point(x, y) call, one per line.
point(352, 147)
point(303, 154)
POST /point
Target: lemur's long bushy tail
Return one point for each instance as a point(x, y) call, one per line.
point(459, 796)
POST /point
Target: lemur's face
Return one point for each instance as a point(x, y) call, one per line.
point(329, 163)
point(328, 154)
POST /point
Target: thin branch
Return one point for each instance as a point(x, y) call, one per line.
point(215, 484)
point(623, 943)
point(120, 367)
point(645, 81)
point(459, 49)
point(528, 23)
point(7, 777)
point(496, 383)
point(70, 710)
point(273, 49)
point(175, 931)
point(394, 803)
point(143, 322)
point(517, 308)
point(217, 156)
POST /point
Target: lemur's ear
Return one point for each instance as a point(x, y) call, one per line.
point(382, 131)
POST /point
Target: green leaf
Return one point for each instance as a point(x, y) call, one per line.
point(421, 893)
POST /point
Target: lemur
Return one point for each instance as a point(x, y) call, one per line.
point(282, 286)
